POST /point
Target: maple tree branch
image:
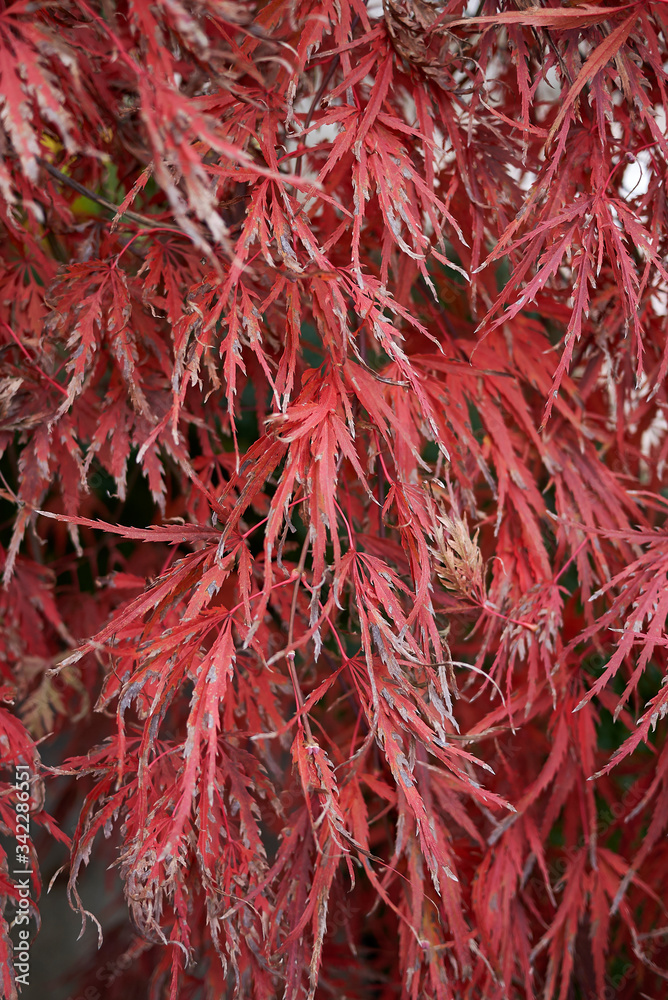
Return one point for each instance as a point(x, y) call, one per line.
point(142, 220)
point(320, 91)
point(314, 104)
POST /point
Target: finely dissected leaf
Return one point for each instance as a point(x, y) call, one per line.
point(333, 447)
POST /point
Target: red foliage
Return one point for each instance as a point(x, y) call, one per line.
point(374, 303)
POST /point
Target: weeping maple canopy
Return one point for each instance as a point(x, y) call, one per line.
point(332, 414)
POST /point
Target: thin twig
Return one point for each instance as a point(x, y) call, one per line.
point(320, 91)
point(142, 220)
point(31, 360)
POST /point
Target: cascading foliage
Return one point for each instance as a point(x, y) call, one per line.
point(332, 412)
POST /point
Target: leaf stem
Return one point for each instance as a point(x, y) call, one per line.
point(290, 656)
point(32, 361)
